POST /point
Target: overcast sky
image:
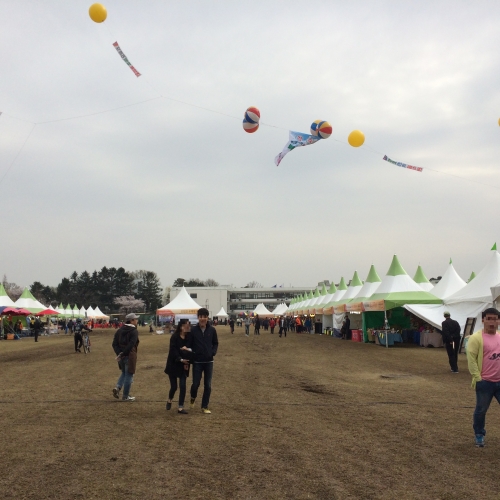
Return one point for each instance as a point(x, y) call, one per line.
point(185, 192)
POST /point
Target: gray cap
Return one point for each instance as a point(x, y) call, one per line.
point(446, 314)
point(131, 316)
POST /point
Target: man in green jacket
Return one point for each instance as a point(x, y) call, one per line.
point(483, 357)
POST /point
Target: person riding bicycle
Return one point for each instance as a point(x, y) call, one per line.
point(79, 326)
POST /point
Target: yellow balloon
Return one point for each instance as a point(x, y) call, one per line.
point(356, 138)
point(98, 13)
point(499, 121)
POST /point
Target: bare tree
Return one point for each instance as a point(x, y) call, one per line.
point(253, 284)
point(211, 282)
point(14, 291)
point(128, 304)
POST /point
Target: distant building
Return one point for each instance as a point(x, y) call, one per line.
point(236, 300)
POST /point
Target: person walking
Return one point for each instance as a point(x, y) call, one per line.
point(483, 358)
point(125, 343)
point(450, 330)
point(231, 325)
point(248, 322)
point(256, 325)
point(272, 324)
point(204, 343)
point(178, 363)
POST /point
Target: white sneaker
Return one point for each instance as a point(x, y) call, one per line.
point(128, 398)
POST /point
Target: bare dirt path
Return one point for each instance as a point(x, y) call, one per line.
point(303, 417)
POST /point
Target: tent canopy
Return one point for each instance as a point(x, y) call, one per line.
point(222, 313)
point(370, 286)
point(398, 289)
point(5, 300)
point(449, 284)
point(181, 304)
point(421, 279)
point(262, 310)
point(27, 301)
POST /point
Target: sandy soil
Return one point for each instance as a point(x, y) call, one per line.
point(300, 417)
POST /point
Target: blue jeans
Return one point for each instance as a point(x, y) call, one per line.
point(125, 379)
point(485, 392)
point(199, 369)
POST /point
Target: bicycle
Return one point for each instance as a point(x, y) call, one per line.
point(86, 343)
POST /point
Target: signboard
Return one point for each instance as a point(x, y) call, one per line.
point(374, 305)
point(355, 307)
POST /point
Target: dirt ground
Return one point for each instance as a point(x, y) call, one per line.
point(301, 417)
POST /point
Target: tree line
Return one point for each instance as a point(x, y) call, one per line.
point(110, 288)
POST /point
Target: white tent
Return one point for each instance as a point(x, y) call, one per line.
point(262, 310)
point(449, 284)
point(99, 314)
point(369, 287)
point(495, 293)
point(181, 304)
point(222, 313)
point(68, 312)
point(468, 302)
point(280, 309)
point(90, 312)
point(82, 312)
point(421, 279)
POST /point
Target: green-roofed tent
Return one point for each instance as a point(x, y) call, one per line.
point(326, 298)
point(369, 287)
point(395, 290)
point(421, 279)
point(5, 300)
point(27, 301)
point(352, 290)
point(341, 290)
point(472, 276)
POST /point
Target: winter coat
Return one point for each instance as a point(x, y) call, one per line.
point(204, 344)
point(125, 341)
point(174, 365)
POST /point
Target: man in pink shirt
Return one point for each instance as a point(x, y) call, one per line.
point(483, 357)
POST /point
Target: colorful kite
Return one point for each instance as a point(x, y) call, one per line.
point(296, 140)
point(404, 165)
point(124, 57)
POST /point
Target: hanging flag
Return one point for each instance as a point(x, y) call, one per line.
point(296, 140)
point(124, 57)
point(404, 165)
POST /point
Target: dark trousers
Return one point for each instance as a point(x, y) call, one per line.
point(37, 332)
point(78, 341)
point(272, 329)
point(207, 370)
point(452, 350)
point(173, 388)
point(485, 392)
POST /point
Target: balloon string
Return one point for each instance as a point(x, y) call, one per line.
point(18, 153)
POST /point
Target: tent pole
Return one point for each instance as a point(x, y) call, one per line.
point(386, 325)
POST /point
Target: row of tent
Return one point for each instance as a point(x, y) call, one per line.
point(417, 295)
point(28, 302)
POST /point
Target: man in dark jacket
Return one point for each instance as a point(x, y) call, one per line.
point(204, 344)
point(125, 344)
point(38, 327)
point(450, 329)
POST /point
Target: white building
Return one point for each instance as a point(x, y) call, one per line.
point(236, 300)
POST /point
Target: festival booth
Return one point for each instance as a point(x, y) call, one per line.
point(262, 311)
point(468, 301)
point(5, 301)
point(181, 307)
point(326, 319)
point(329, 313)
point(340, 310)
point(421, 279)
point(384, 308)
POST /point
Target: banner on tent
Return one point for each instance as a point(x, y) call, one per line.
point(355, 307)
point(340, 309)
point(328, 310)
point(400, 164)
point(168, 312)
point(374, 305)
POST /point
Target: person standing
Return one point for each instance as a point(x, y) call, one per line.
point(231, 325)
point(248, 322)
point(178, 363)
point(79, 327)
point(256, 325)
point(125, 343)
point(483, 358)
point(450, 330)
point(37, 326)
point(204, 343)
